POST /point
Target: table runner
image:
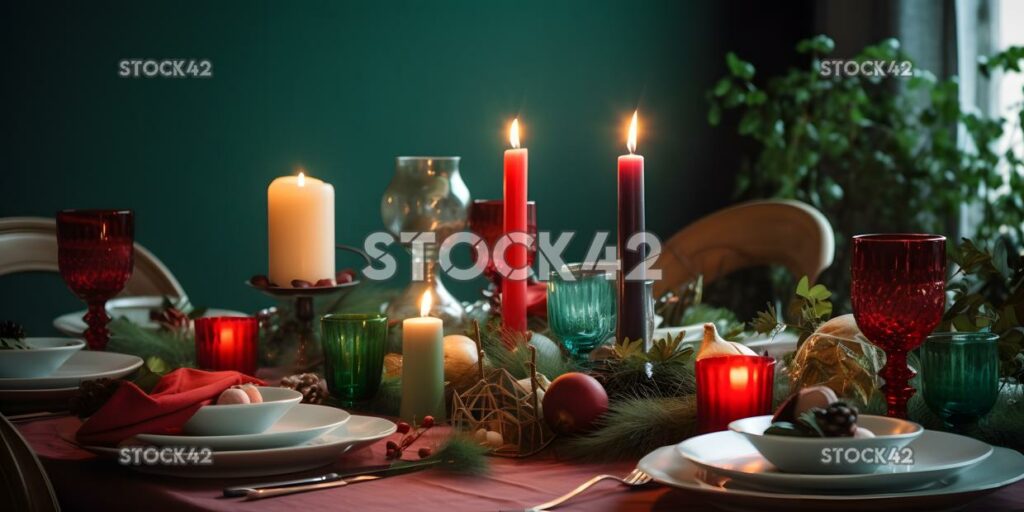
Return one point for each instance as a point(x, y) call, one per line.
point(83, 482)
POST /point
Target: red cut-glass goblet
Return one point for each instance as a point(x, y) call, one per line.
point(486, 220)
point(898, 291)
point(95, 253)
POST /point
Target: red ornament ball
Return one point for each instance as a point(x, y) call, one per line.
point(573, 402)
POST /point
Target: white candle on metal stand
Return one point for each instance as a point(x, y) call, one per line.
point(300, 230)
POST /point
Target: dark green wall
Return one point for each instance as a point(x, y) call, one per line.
point(341, 88)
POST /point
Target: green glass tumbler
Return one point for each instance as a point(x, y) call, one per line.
point(581, 310)
point(354, 346)
point(960, 376)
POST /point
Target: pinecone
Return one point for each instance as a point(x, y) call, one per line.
point(171, 319)
point(312, 386)
point(91, 395)
point(11, 330)
point(11, 334)
point(838, 420)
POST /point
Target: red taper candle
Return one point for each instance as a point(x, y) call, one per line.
point(513, 290)
point(632, 319)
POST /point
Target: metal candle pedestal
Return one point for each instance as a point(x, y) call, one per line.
point(297, 333)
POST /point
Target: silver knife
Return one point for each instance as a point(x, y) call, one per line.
point(259, 494)
point(381, 469)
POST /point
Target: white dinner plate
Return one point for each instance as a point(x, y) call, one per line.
point(668, 467)
point(302, 423)
point(83, 365)
point(358, 432)
point(135, 309)
point(936, 455)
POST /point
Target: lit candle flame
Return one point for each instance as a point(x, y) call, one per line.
point(302, 179)
point(425, 304)
point(227, 338)
point(738, 378)
point(631, 140)
point(513, 133)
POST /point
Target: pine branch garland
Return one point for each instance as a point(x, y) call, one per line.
point(634, 427)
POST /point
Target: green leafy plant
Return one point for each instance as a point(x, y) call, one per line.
point(809, 310)
point(988, 295)
point(872, 152)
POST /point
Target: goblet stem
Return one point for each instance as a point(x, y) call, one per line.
point(97, 335)
point(897, 389)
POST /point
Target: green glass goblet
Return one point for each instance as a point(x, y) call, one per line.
point(960, 376)
point(581, 310)
point(354, 347)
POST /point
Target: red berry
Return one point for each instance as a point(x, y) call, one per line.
point(403, 427)
point(299, 283)
point(391, 445)
point(324, 282)
point(428, 421)
point(425, 452)
point(260, 281)
point(343, 278)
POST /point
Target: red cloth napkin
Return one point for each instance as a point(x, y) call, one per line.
point(174, 400)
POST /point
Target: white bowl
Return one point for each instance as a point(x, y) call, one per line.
point(834, 455)
point(43, 357)
point(239, 419)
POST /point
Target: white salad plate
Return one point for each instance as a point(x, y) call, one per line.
point(239, 419)
point(135, 309)
point(358, 432)
point(935, 455)
point(302, 423)
point(81, 366)
point(666, 466)
point(804, 455)
point(42, 357)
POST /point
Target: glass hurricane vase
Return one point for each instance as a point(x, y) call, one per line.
point(426, 194)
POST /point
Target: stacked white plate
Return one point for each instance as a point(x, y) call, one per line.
point(57, 387)
point(948, 470)
point(306, 437)
point(135, 308)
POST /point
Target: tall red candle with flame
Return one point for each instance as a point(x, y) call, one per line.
point(227, 343)
point(632, 317)
point(513, 288)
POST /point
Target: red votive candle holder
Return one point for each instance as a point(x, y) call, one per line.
point(227, 343)
point(731, 388)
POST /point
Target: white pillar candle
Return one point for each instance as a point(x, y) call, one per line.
point(300, 222)
point(423, 366)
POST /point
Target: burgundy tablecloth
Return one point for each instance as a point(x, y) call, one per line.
point(83, 482)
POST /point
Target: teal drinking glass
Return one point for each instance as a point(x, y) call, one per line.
point(581, 310)
point(960, 375)
point(354, 346)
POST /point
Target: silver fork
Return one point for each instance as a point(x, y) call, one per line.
point(633, 479)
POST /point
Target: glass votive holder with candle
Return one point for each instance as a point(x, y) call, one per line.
point(227, 343)
point(731, 388)
point(354, 347)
